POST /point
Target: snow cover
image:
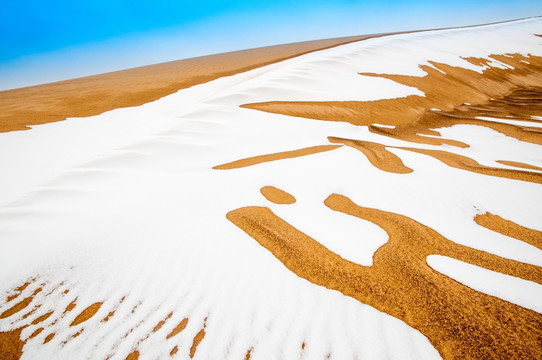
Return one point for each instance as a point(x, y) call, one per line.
point(127, 204)
point(518, 291)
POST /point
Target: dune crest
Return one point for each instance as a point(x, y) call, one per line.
point(96, 94)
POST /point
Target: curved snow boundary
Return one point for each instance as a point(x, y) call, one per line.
point(515, 290)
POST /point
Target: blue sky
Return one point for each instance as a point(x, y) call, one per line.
point(45, 41)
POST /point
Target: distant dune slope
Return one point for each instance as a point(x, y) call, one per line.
point(93, 95)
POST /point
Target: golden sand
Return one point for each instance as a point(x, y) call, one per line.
point(162, 322)
point(509, 228)
point(87, 313)
point(500, 93)
point(42, 318)
point(36, 333)
point(96, 94)
point(70, 306)
point(447, 89)
point(377, 155)
point(519, 165)
point(247, 356)
point(49, 338)
point(134, 355)
point(276, 156)
point(11, 346)
point(11, 343)
point(458, 321)
point(277, 196)
point(197, 339)
point(468, 164)
point(18, 291)
point(410, 134)
point(19, 306)
point(180, 327)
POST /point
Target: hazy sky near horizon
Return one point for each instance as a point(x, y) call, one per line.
point(61, 39)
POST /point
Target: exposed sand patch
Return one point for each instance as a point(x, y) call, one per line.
point(447, 88)
point(180, 327)
point(12, 342)
point(20, 305)
point(162, 322)
point(17, 291)
point(277, 156)
point(468, 164)
point(112, 312)
point(387, 161)
point(459, 322)
point(519, 165)
point(510, 228)
point(355, 112)
point(409, 134)
point(87, 313)
point(70, 306)
point(36, 333)
point(134, 355)
point(197, 339)
point(277, 196)
point(11, 345)
point(49, 338)
point(520, 104)
point(42, 318)
point(94, 95)
point(377, 155)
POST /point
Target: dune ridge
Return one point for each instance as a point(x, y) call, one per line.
point(125, 239)
point(96, 94)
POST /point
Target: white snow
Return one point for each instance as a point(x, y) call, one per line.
point(511, 122)
point(127, 204)
point(384, 126)
point(515, 290)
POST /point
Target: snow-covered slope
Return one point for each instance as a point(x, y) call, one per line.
point(123, 215)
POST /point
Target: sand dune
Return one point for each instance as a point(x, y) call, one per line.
point(94, 95)
point(365, 197)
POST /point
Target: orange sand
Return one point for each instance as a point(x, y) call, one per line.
point(197, 339)
point(277, 196)
point(377, 155)
point(519, 165)
point(87, 314)
point(94, 95)
point(458, 321)
point(444, 89)
point(180, 327)
point(509, 228)
point(277, 156)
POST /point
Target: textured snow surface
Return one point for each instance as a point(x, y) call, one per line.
point(127, 204)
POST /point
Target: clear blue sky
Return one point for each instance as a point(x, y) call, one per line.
point(43, 41)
